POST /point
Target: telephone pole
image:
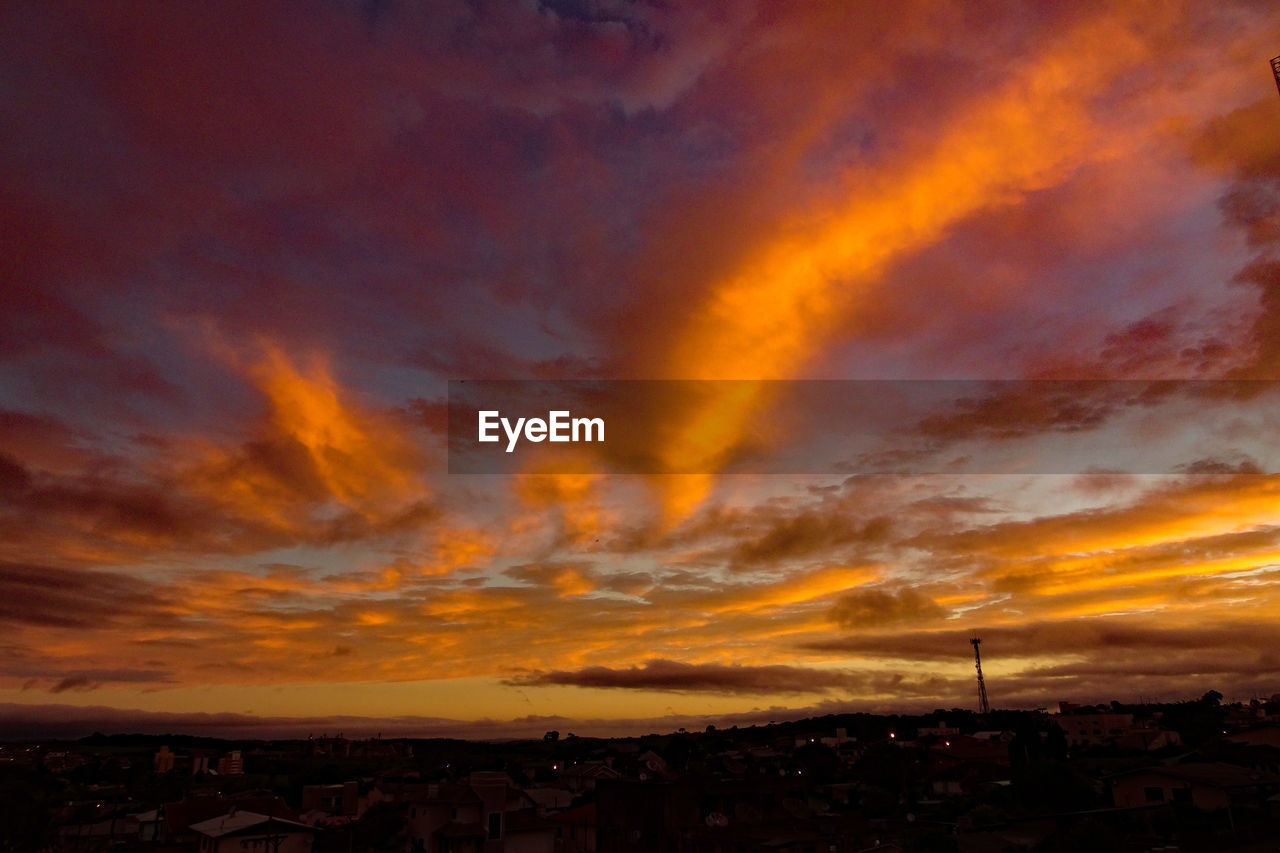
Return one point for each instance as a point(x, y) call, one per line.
point(982, 686)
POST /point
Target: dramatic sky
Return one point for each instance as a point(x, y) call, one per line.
point(247, 244)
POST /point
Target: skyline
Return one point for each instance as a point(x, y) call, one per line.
point(250, 247)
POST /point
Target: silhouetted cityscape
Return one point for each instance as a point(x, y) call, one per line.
point(1191, 775)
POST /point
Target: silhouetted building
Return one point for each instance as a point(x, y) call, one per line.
point(575, 829)
point(231, 764)
point(238, 831)
point(1208, 786)
point(485, 814)
point(341, 799)
point(642, 817)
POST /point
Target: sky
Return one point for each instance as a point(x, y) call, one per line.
point(248, 245)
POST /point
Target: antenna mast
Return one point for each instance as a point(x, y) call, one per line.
point(982, 686)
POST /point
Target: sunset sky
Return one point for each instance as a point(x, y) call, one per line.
point(248, 244)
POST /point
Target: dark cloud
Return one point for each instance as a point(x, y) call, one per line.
point(1102, 481)
point(1242, 143)
point(479, 359)
point(874, 607)
point(38, 439)
point(266, 493)
point(73, 598)
point(676, 677)
point(1243, 140)
point(544, 574)
point(1265, 332)
point(805, 534)
point(629, 583)
point(14, 478)
point(24, 722)
point(1089, 638)
point(1219, 466)
point(94, 678)
point(1188, 665)
point(1037, 409)
point(73, 682)
point(121, 514)
point(950, 507)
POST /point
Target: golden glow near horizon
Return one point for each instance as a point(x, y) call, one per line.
point(223, 464)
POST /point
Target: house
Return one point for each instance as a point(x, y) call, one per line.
point(343, 799)
point(445, 818)
point(231, 764)
point(1148, 739)
point(1265, 758)
point(1260, 736)
point(1092, 729)
point(241, 831)
point(485, 814)
point(575, 829)
point(106, 834)
point(583, 777)
point(941, 731)
point(967, 777)
point(1208, 786)
point(527, 832)
point(148, 824)
point(179, 819)
point(650, 763)
point(1095, 726)
point(548, 798)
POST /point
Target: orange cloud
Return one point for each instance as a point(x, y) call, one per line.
point(784, 300)
point(793, 589)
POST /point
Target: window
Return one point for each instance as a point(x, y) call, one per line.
point(495, 825)
point(1182, 795)
point(1153, 794)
